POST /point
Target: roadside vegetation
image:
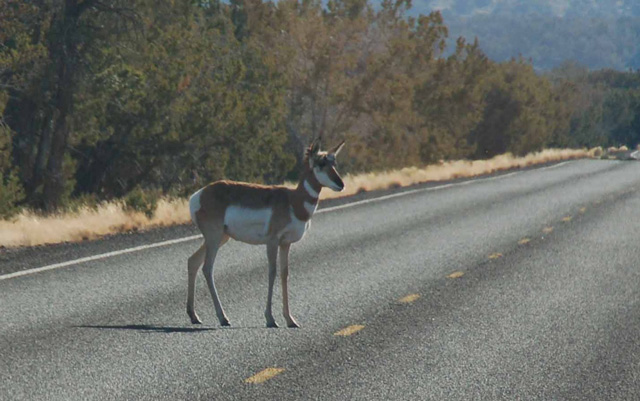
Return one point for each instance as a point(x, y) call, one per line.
point(144, 211)
point(125, 105)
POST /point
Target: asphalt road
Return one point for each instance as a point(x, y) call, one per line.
point(544, 304)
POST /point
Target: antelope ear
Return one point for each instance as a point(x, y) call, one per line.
point(314, 148)
point(312, 151)
point(337, 149)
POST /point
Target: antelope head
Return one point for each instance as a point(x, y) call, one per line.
point(323, 165)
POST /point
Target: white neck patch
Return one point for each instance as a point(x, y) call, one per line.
point(310, 190)
point(310, 207)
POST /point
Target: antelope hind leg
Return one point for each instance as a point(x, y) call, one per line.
point(193, 265)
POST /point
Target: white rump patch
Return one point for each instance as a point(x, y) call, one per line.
point(194, 204)
point(248, 225)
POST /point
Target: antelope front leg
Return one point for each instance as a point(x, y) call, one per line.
point(284, 276)
point(195, 261)
point(272, 254)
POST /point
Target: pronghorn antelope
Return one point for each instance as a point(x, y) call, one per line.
point(257, 214)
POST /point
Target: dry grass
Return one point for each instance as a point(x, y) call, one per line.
point(450, 170)
point(28, 228)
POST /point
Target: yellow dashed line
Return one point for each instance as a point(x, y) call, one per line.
point(409, 298)
point(347, 331)
point(495, 255)
point(264, 375)
point(547, 230)
point(524, 241)
point(566, 219)
point(583, 209)
point(456, 275)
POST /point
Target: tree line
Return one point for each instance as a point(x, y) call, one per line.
point(99, 99)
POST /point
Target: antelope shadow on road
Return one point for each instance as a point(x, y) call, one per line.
point(156, 329)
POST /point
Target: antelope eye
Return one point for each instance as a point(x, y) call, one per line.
point(322, 162)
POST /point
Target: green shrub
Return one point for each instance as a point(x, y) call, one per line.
point(11, 193)
point(144, 201)
point(74, 204)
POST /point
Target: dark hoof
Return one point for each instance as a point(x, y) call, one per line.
point(194, 318)
point(225, 323)
point(272, 325)
point(291, 322)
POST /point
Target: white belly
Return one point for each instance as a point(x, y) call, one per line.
point(247, 225)
point(294, 231)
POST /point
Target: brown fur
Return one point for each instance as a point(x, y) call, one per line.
point(218, 195)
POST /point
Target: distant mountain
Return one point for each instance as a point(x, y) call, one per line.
point(550, 8)
point(598, 34)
